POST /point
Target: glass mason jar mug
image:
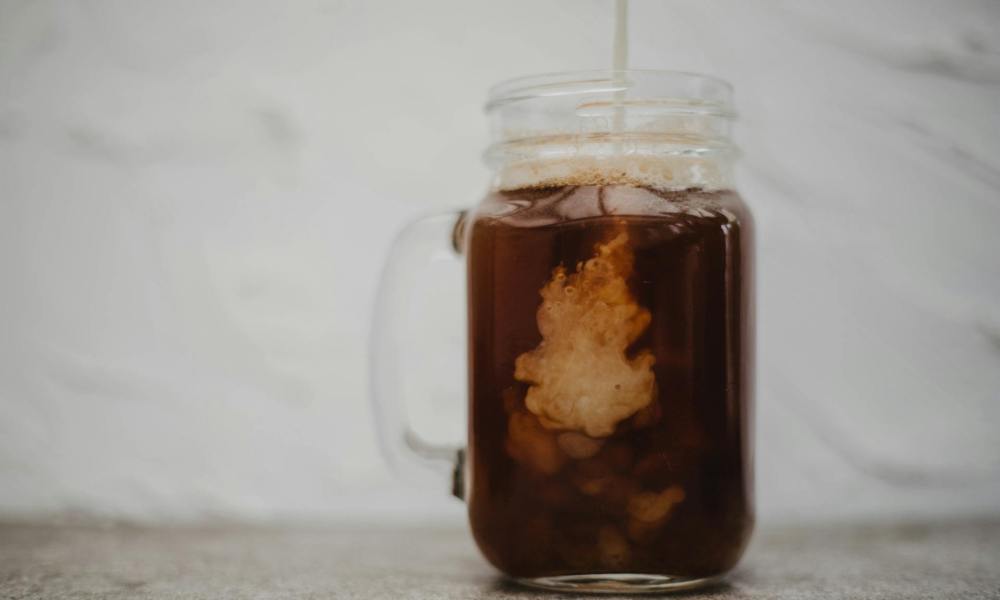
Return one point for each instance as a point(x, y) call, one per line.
point(610, 336)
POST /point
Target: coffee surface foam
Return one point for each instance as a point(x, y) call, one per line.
point(667, 173)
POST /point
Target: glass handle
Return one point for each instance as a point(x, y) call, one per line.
point(420, 243)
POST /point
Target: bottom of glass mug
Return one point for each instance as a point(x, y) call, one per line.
point(617, 583)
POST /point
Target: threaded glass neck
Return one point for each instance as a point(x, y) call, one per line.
point(654, 128)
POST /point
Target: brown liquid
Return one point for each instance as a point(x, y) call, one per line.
point(618, 441)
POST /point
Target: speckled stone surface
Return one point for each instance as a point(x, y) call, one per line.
point(929, 560)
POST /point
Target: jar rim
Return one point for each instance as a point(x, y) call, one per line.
point(707, 93)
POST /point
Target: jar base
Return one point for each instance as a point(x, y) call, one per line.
point(617, 583)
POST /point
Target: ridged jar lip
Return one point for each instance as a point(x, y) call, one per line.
point(685, 90)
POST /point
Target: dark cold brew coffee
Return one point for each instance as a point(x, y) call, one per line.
point(611, 357)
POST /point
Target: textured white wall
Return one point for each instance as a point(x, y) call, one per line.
point(195, 198)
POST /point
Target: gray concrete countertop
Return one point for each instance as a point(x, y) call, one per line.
point(916, 560)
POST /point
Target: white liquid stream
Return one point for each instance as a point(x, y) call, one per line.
point(620, 60)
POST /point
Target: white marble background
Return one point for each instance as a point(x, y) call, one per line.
point(195, 198)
